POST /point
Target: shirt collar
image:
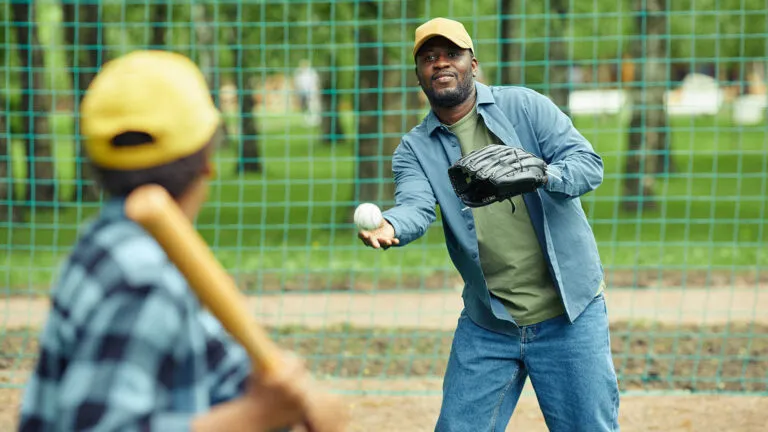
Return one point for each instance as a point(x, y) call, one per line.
point(113, 208)
point(484, 96)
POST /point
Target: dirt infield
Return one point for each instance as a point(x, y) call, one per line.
point(676, 323)
point(637, 414)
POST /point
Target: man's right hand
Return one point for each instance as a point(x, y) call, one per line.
point(381, 237)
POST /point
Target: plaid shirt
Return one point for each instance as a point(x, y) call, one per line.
point(126, 345)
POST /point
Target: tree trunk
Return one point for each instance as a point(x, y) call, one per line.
point(8, 211)
point(333, 129)
point(369, 93)
point(204, 36)
point(249, 161)
point(6, 174)
point(205, 33)
point(35, 105)
point(395, 122)
point(416, 101)
point(159, 18)
point(90, 40)
point(248, 150)
point(648, 127)
point(512, 72)
point(558, 55)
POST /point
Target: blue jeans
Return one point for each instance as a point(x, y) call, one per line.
point(570, 367)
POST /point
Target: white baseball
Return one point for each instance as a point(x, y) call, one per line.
point(368, 216)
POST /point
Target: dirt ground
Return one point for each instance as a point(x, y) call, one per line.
point(675, 340)
point(440, 309)
point(377, 413)
point(637, 414)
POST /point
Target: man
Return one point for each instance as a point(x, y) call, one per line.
point(127, 346)
point(533, 294)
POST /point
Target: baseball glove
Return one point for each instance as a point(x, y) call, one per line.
point(495, 173)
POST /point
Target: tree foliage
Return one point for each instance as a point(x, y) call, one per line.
point(246, 41)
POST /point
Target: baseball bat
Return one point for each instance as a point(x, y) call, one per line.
point(152, 207)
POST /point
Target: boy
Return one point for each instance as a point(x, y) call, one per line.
point(127, 346)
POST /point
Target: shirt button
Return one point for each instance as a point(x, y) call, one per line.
point(470, 227)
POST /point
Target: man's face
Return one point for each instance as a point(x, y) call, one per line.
point(445, 72)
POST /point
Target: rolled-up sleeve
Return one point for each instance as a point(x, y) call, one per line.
point(415, 201)
point(575, 168)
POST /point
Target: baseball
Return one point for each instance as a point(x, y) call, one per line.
point(368, 216)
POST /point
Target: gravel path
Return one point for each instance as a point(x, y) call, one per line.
point(439, 310)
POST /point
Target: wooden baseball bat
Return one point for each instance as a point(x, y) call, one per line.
point(152, 207)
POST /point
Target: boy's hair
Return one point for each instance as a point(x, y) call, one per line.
point(175, 176)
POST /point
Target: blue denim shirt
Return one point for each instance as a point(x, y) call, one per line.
point(519, 117)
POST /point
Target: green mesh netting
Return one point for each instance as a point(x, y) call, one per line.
point(671, 94)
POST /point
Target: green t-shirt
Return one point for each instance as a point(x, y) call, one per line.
point(510, 255)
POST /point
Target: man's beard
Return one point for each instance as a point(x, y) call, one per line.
point(449, 98)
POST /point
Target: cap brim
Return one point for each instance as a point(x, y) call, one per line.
point(459, 43)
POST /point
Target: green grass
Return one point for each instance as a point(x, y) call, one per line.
point(710, 211)
point(289, 227)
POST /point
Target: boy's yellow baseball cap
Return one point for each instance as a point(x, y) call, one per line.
point(449, 29)
point(158, 93)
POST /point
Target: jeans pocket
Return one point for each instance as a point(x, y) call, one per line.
point(600, 298)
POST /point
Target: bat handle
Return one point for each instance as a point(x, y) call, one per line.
point(154, 209)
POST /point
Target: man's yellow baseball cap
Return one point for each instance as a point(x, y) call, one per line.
point(449, 29)
point(158, 93)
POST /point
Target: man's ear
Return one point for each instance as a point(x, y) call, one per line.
point(474, 66)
